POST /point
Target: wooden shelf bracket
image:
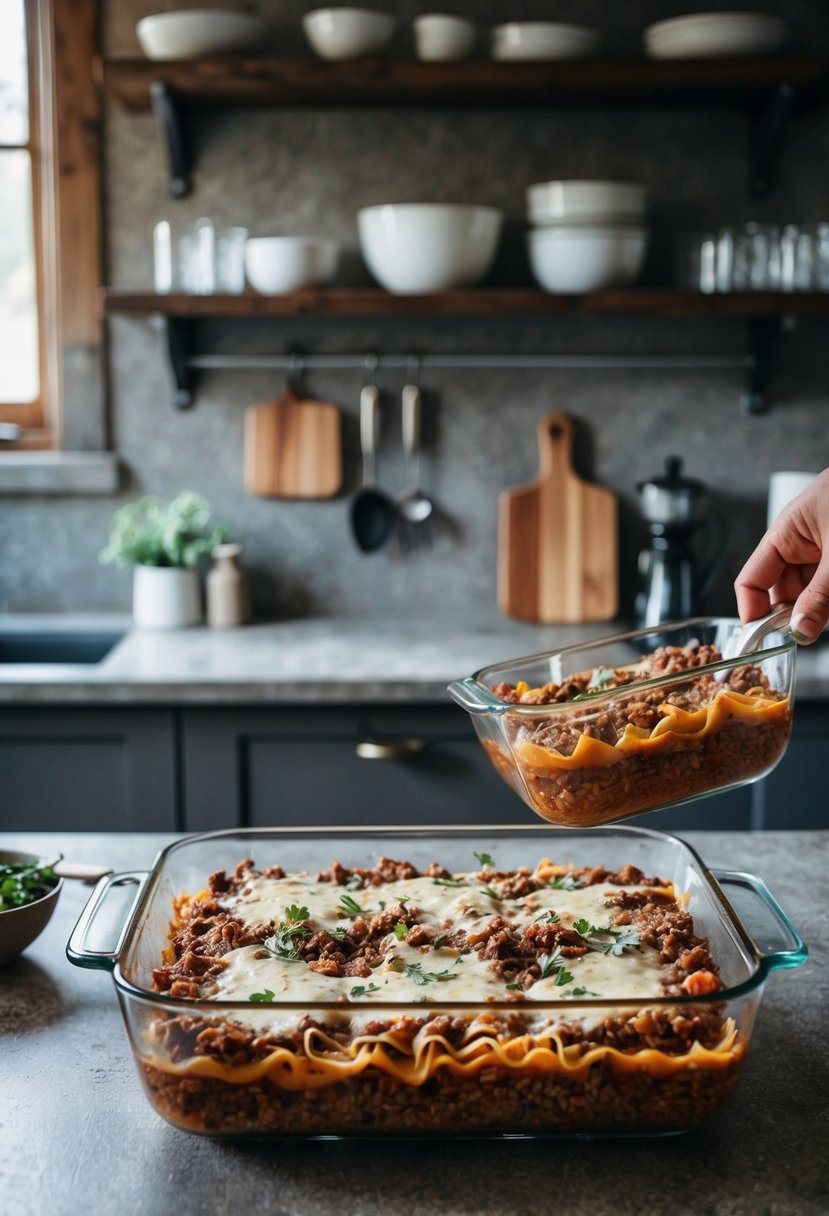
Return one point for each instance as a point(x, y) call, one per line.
point(170, 116)
point(764, 335)
point(178, 335)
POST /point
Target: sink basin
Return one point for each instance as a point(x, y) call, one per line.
point(86, 646)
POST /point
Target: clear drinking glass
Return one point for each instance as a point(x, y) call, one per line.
point(230, 260)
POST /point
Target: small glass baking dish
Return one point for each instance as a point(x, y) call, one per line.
point(516, 1078)
point(648, 744)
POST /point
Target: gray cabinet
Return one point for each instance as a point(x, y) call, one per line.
point(339, 765)
point(87, 770)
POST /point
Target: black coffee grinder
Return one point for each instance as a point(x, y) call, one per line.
point(673, 579)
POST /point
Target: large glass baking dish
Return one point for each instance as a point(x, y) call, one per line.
point(518, 1082)
point(588, 761)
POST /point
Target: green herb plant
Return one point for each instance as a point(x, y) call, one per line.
point(149, 532)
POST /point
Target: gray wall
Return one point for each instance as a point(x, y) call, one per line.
point(295, 172)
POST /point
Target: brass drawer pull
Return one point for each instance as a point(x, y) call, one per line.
point(400, 749)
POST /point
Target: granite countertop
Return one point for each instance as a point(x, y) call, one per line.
point(314, 660)
point(79, 1135)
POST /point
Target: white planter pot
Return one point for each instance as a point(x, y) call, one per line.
point(166, 597)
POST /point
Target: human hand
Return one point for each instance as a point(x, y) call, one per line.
point(791, 564)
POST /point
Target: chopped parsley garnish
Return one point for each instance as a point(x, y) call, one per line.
point(280, 944)
point(552, 966)
point(400, 930)
point(567, 882)
point(415, 972)
point(548, 918)
point(350, 907)
point(514, 988)
point(354, 883)
point(580, 992)
point(293, 913)
point(363, 989)
point(489, 891)
point(448, 882)
point(340, 932)
point(23, 882)
point(486, 860)
point(440, 941)
point(597, 937)
point(261, 997)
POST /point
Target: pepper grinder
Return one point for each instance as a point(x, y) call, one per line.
point(227, 593)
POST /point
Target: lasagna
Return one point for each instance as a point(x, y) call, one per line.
point(644, 747)
point(391, 1000)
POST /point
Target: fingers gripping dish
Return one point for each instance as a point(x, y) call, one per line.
point(632, 732)
point(344, 943)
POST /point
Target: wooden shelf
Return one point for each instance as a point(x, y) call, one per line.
point(736, 83)
point(480, 302)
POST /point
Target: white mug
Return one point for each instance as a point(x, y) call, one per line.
point(783, 487)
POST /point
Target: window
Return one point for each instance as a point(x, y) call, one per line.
point(51, 345)
point(20, 295)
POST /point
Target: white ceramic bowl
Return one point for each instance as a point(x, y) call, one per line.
point(278, 264)
point(715, 35)
point(526, 40)
point(440, 37)
point(191, 33)
point(348, 33)
point(580, 201)
point(589, 258)
point(412, 248)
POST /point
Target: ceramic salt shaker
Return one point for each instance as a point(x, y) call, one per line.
point(227, 596)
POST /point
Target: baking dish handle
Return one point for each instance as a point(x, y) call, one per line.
point(474, 697)
point(77, 950)
point(777, 941)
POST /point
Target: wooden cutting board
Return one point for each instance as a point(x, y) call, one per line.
point(558, 539)
point(293, 448)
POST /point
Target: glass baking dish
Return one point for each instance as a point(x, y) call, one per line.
point(522, 1075)
point(647, 744)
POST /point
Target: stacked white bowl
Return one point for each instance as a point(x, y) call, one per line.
point(586, 235)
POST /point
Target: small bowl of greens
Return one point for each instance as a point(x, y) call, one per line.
point(29, 890)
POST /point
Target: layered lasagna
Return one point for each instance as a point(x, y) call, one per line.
point(393, 999)
point(601, 759)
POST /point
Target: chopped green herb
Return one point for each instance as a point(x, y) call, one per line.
point(293, 913)
point(548, 918)
point(280, 943)
point(486, 860)
point(489, 891)
point(382, 904)
point(515, 988)
point(261, 997)
point(363, 989)
point(567, 882)
point(340, 932)
point(400, 930)
point(552, 965)
point(24, 882)
point(440, 941)
point(580, 992)
point(404, 899)
point(448, 882)
point(415, 972)
point(597, 937)
point(350, 907)
point(354, 883)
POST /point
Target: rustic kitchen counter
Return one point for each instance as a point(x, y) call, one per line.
point(316, 660)
point(77, 1134)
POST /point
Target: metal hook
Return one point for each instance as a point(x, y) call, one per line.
point(413, 365)
point(370, 364)
point(296, 368)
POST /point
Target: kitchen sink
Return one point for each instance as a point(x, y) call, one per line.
point(52, 646)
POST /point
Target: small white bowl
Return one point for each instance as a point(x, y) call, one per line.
point(441, 37)
point(527, 40)
point(580, 201)
point(278, 264)
point(348, 33)
point(412, 248)
point(715, 35)
point(575, 260)
point(192, 33)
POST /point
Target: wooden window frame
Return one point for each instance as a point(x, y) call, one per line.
point(65, 144)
